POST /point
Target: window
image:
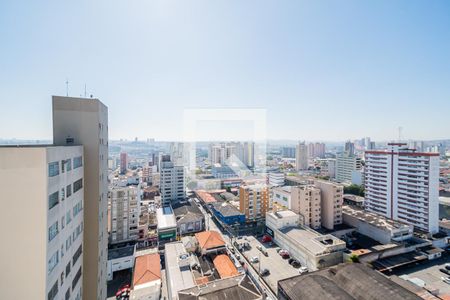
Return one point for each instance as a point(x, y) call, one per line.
point(77, 162)
point(53, 169)
point(68, 269)
point(63, 222)
point(76, 278)
point(53, 291)
point(67, 297)
point(77, 185)
point(53, 200)
point(53, 231)
point(77, 208)
point(53, 261)
point(63, 193)
point(66, 165)
point(69, 190)
point(76, 255)
point(68, 217)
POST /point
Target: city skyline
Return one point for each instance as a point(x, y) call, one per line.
point(321, 70)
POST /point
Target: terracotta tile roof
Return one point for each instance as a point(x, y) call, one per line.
point(209, 239)
point(224, 266)
point(147, 268)
point(205, 196)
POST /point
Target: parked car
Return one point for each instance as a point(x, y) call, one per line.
point(266, 238)
point(445, 271)
point(284, 254)
point(254, 259)
point(264, 272)
point(303, 270)
point(295, 263)
point(123, 292)
point(446, 279)
point(263, 250)
point(447, 266)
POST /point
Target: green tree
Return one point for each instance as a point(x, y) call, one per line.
point(354, 189)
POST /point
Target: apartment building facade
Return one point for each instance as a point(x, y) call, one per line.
point(402, 184)
point(332, 199)
point(44, 188)
point(306, 201)
point(301, 157)
point(172, 182)
point(254, 201)
point(346, 166)
point(82, 121)
point(125, 206)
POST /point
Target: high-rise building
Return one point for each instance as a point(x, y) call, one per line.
point(288, 152)
point(124, 213)
point(43, 222)
point(316, 150)
point(305, 201)
point(332, 198)
point(331, 167)
point(220, 153)
point(172, 182)
point(403, 185)
point(80, 121)
point(301, 157)
point(349, 148)
point(123, 162)
point(254, 201)
point(346, 166)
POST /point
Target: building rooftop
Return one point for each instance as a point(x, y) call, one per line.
point(180, 276)
point(147, 268)
point(209, 239)
point(166, 217)
point(183, 208)
point(346, 282)
point(232, 288)
point(353, 198)
point(284, 214)
point(224, 266)
point(374, 219)
point(312, 241)
point(205, 196)
point(226, 209)
point(120, 252)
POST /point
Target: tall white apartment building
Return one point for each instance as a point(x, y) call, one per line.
point(301, 157)
point(42, 227)
point(346, 166)
point(125, 206)
point(403, 185)
point(81, 121)
point(172, 182)
point(219, 153)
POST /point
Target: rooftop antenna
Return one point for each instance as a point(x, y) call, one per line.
point(400, 129)
point(67, 87)
point(85, 90)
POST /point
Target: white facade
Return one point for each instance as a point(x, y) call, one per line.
point(81, 121)
point(124, 213)
point(345, 166)
point(172, 187)
point(281, 196)
point(402, 184)
point(301, 157)
point(43, 186)
point(276, 179)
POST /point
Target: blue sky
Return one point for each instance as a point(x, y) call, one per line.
point(323, 70)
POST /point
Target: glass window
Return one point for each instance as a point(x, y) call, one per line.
point(53, 291)
point(76, 255)
point(77, 162)
point(53, 231)
point(53, 169)
point(53, 261)
point(77, 185)
point(53, 200)
point(69, 190)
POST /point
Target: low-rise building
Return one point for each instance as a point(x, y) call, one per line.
point(189, 217)
point(146, 283)
point(166, 225)
point(120, 258)
point(227, 213)
point(209, 242)
point(345, 281)
point(312, 249)
point(377, 227)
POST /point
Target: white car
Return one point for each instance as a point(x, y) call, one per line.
point(254, 259)
point(302, 270)
point(446, 279)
